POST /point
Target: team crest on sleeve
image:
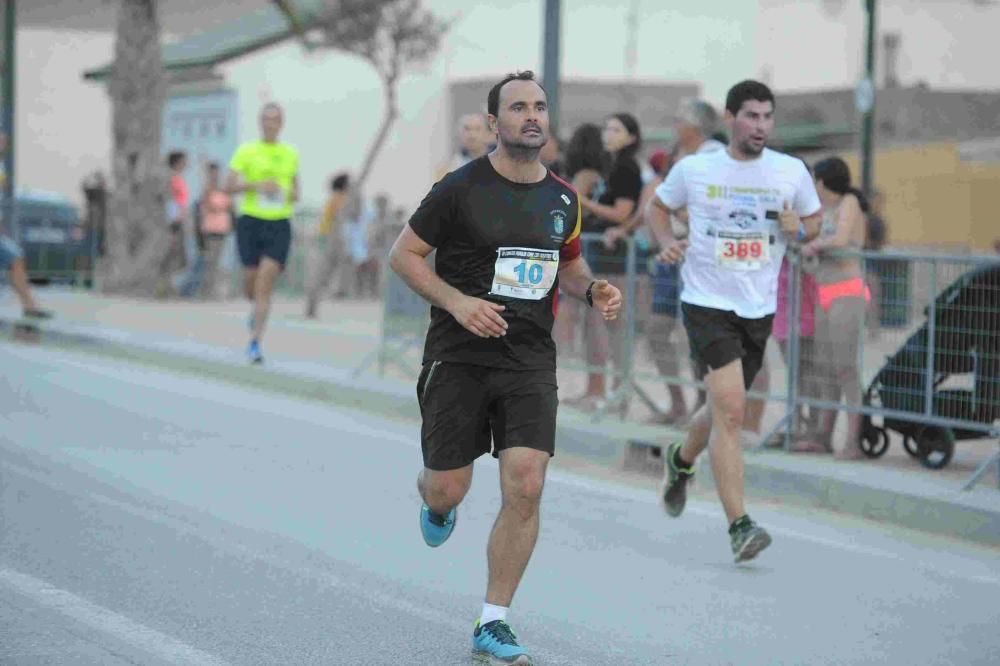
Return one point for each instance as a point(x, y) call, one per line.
point(558, 221)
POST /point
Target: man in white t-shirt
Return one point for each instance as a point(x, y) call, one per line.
point(744, 204)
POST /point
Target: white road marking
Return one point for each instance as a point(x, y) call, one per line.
point(106, 621)
point(240, 550)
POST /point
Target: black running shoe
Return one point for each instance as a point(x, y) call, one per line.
point(673, 491)
point(748, 539)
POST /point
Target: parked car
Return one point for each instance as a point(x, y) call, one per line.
point(57, 246)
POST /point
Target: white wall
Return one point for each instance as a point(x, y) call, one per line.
point(334, 101)
point(63, 124)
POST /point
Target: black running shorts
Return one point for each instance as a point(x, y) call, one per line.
point(466, 407)
point(719, 337)
point(256, 238)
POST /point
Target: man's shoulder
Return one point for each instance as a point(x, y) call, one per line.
point(700, 161)
point(562, 187)
point(458, 177)
point(780, 160)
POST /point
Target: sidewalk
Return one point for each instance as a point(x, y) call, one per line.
point(317, 359)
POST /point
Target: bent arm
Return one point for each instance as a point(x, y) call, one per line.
point(236, 184)
point(575, 277)
point(657, 216)
point(619, 213)
point(408, 258)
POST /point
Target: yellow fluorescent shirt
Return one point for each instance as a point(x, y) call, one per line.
point(259, 161)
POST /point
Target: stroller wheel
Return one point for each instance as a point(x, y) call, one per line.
point(936, 445)
point(911, 447)
point(874, 441)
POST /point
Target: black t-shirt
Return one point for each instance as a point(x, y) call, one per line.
point(500, 241)
point(624, 182)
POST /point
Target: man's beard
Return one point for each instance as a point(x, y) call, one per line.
point(749, 148)
point(521, 151)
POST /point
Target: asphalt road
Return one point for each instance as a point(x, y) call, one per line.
point(152, 518)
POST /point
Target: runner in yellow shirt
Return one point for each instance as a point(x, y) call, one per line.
point(266, 173)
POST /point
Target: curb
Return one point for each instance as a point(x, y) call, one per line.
point(883, 495)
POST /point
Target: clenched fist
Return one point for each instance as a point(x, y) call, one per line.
point(673, 253)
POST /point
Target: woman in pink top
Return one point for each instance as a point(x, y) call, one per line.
point(215, 208)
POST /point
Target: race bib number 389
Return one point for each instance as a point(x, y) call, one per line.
point(524, 272)
point(742, 250)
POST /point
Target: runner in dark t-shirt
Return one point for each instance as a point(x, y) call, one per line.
point(507, 238)
point(481, 224)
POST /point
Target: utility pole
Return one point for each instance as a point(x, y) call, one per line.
point(7, 91)
point(550, 64)
point(865, 102)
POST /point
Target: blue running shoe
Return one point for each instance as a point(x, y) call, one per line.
point(436, 528)
point(253, 353)
point(494, 643)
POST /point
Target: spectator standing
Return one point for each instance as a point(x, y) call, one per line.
point(475, 140)
point(216, 223)
point(614, 207)
point(95, 193)
point(177, 215)
point(333, 262)
point(584, 169)
point(842, 296)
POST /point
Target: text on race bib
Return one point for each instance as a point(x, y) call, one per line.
point(524, 272)
point(742, 250)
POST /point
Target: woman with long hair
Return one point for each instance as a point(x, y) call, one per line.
point(583, 167)
point(842, 296)
point(613, 207)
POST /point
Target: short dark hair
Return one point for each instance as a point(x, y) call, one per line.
point(747, 90)
point(213, 166)
point(493, 99)
point(340, 182)
point(174, 157)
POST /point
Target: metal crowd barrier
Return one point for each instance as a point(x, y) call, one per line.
point(927, 347)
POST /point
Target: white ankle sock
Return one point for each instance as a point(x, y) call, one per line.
point(491, 612)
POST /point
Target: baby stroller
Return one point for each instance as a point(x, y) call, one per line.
point(966, 341)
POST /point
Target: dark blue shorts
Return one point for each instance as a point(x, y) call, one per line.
point(667, 290)
point(256, 238)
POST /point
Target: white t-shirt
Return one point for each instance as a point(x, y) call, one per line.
point(736, 244)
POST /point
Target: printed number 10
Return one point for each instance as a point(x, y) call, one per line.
point(534, 273)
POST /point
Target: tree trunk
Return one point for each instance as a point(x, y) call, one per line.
point(390, 116)
point(137, 238)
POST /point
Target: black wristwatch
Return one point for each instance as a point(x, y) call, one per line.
point(590, 293)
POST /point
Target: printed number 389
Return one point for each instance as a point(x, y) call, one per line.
point(742, 250)
point(534, 273)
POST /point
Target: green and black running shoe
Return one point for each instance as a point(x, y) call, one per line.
point(747, 539)
point(673, 491)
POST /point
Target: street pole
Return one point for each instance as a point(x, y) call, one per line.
point(10, 225)
point(868, 119)
point(550, 65)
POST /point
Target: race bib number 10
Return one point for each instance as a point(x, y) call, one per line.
point(524, 272)
point(742, 250)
